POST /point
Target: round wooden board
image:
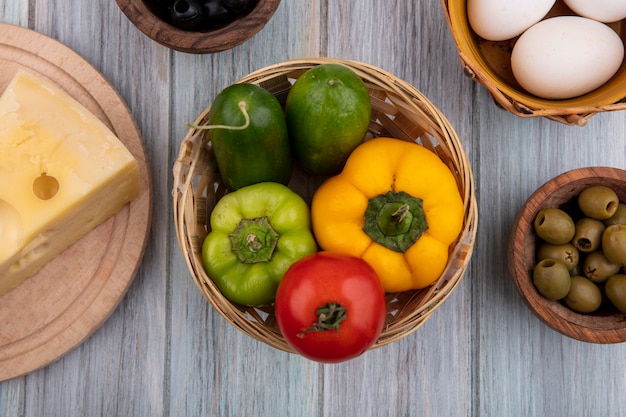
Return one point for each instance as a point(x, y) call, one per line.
point(57, 309)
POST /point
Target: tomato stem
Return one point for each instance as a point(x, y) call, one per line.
point(329, 317)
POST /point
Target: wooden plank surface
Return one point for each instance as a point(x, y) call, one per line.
point(165, 352)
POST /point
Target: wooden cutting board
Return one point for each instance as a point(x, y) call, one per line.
point(57, 309)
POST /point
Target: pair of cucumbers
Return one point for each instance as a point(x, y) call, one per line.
point(326, 115)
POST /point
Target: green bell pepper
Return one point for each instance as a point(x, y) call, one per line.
point(257, 233)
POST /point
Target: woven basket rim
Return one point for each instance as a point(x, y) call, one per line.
point(251, 321)
point(518, 104)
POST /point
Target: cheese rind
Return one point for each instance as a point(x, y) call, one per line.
point(62, 173)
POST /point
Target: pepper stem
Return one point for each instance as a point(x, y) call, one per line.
point(246, 116)
point(395, 220)
point(399, 215)
point(329, 317)
point(254, 240)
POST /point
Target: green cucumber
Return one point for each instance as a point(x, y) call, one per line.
point(249, 137)
point(328, 113)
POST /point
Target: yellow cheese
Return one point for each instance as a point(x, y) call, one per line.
point(62, 173)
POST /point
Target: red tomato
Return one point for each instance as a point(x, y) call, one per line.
point(330, 307)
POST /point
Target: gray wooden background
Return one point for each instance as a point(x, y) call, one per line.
point(165, 352)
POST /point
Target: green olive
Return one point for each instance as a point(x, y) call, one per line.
point(588, 234)
point(584, 296)
point(619, 217)
point(598, 202)
point(597, 268)
point(554, 226)
point(615, 289)
point(551, 278)
point(577, 270)
point(614, 243)
point(565, 253)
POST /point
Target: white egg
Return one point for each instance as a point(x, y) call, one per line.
point(601, 10)
point(498, 20)
point(566, 56)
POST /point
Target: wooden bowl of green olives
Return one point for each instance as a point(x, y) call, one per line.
point(199, 26)
point(567, 254)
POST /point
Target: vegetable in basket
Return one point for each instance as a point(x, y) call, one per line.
point(397, 206)
point(328, 112)
point(330, 307)
point(249, 136)
point(257, 233)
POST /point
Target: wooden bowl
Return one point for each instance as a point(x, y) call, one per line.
point(216, 40)
point(488, 63)
point(606, 325)
point(398, 110)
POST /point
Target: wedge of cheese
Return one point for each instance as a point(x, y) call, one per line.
point(62, 173)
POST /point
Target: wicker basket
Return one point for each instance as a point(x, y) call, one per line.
point(488, 63)
point(398, 110)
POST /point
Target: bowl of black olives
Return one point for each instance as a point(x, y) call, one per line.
point(199, 26)
point(567, 254)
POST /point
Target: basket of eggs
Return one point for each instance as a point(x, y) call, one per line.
point(324, 207)
point(560, 59)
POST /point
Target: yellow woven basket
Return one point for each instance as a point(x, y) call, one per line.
point(488, 63)
point(398, 110)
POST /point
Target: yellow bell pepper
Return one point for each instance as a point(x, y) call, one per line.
point(397, 206)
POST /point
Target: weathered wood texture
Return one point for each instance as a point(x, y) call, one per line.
point(165, 352)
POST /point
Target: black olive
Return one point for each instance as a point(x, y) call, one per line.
point(161, 8)
point(240, 6)
point(187, 15)
point(216, 14)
